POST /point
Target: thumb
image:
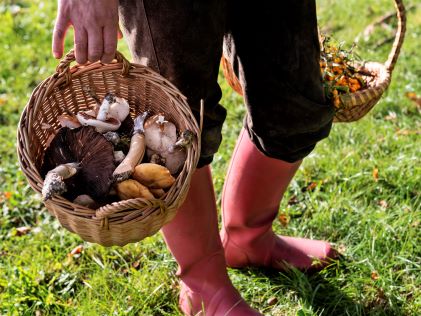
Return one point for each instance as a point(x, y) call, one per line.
point(60, 29)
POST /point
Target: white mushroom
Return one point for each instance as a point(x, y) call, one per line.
point(136, 151)
point(69, 120)
point(160, 134)
point(86, 119)
point(54, 184)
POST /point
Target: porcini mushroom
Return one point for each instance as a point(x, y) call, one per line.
point(93, 153)
point(136, 151)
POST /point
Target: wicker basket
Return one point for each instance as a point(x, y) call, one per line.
point(121, 222)
point(378, 76)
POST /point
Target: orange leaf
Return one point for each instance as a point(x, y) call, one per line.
point(376, 174)
point(311, 186)
point(77, 250)
point(374, 275)
point(7, 195)
point(383, 204)
point(283, 219)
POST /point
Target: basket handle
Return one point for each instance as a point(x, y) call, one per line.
point(63, 68)
point(399, 37)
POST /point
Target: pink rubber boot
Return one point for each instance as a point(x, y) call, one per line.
point(252, 193)
point(193, 238)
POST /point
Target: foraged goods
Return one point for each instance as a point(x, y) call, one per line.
point(162, 144)
point(340, 75)
point(98, 156)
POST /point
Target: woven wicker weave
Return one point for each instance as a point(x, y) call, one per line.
point(125, 221)
point(358, 104)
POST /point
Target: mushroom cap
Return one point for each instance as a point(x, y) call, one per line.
point(95, 155)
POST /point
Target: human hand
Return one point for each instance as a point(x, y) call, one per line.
point(95, 24)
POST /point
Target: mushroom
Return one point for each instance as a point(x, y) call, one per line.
point(91, 151)
point(131, 189)
point(111, 113)
point(54, 180)
point(153, 176)
point(136, 151)
point(175, 155)
point(87, 118)
point(85, 200)
point(160, 134)
point(68, 120)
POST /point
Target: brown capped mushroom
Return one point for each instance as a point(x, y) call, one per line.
point(153, 176)
point(131, 189)
point(92, 151)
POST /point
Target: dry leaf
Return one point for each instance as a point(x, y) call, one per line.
point(20, 231)
point(283, 219)
point(415, 224)
point(136, 264)
point(342, 249)
point(312, 186)
point(293, 200)
point(272, 301)
point(406, 132)
point(391, 116)
point(376, 174)
point(413, 97)
point(77, 250)
point(374, 275)
point(7, 195)
point(383, 204)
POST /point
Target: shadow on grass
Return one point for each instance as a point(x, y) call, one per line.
point(329, 292)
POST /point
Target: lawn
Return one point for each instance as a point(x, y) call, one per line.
point(359, 189)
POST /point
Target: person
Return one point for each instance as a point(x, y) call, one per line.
point(273, 47)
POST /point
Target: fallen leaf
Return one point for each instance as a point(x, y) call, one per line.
point(136, 264)
point(20, 231)
point(7, 195)
point(413, 97)
point(342, 249)
point(383, 203)
point(272, 301)
point(77, 250)
point(293, 200)
point(376, 174)
point(406, 132)
point(391, 116)
point(312, 186)
point(415, 224)
point(375, 275)
point(283, 219)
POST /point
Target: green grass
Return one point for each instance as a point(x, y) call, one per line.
point(376, 224)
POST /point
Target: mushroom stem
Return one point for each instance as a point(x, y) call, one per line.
point(136, 151)
point(54, 184)
point(105, 107)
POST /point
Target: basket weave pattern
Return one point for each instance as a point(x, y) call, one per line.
point(121, 222)
point(357, 104)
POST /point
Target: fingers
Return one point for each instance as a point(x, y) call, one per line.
point(81, 45)
point(110, 43)
point(60, 29)
point(95, 44)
